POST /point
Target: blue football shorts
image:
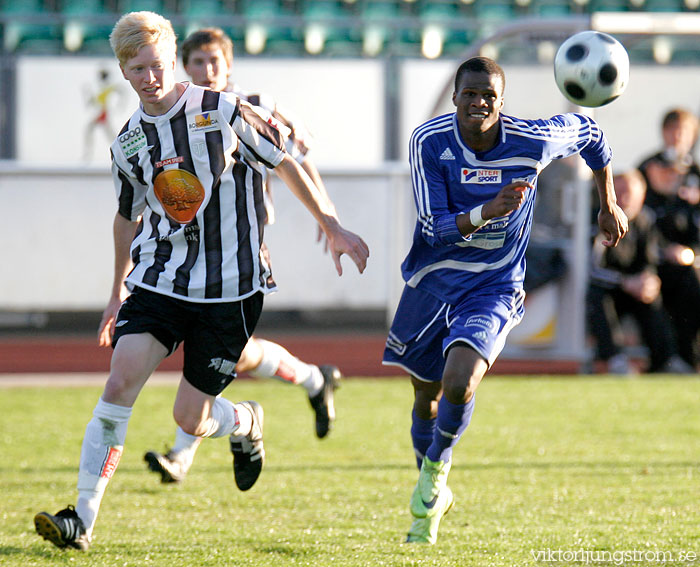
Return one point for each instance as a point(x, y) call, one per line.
point(425, 327)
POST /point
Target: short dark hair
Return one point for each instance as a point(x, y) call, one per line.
point(679, 116)
point(207, 36)
point(480, 65)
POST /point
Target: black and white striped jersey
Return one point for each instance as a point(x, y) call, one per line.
point(193, 177)
point(297, 137)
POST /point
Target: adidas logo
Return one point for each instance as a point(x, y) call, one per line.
point(480, 335)
point(447, 154)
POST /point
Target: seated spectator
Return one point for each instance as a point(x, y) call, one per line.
point(624, 281)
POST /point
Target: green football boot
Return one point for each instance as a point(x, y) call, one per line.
point(431, 500)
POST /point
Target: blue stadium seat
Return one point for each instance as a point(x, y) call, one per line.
point(683, 56)
point(157, 6)
point(444, 14)
point(322, 9)
point(607, 6)
point(204, 13)
point(377, 16)
point(380, 12)
point(330, 15)
point(81, 7)
point(25, 7)
point(281, 39)
point(327, 11)
point(494, 10)
point(201, 8)
point(82, 19)
point(441, 10)
point(663, 5)
point(20, 33)
point(686, 50)
point(640, 53)
point(551, 8)
point(260, 9)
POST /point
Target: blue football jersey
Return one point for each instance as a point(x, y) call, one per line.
point(449, 179)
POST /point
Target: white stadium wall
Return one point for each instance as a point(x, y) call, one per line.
point(341, 104)
point(59, 240)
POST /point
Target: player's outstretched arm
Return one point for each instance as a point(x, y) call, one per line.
point(340, 240)
point(310, 168)
point(611, 219)
point(123, 230)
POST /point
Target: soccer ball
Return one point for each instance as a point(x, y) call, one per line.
point(591, 68)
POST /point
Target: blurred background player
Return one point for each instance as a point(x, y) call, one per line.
point(474, 176)
point(624, 282)
point(673, 193)
point(207, 56)
point(188, 233)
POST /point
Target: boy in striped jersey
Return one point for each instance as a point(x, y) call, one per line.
point(474, 176)
point(207, 55)
point(188, 235)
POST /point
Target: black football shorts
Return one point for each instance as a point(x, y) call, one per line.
point(213, 334)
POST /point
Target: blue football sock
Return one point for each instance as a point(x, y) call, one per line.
point(422, 431)
point(452, 421)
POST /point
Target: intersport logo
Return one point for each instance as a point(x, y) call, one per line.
point(481, 175)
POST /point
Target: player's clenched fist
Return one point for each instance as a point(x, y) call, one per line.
point(508, 200)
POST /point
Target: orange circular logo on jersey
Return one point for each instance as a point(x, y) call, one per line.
point(180, 193)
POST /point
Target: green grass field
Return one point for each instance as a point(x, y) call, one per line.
point(593, 466)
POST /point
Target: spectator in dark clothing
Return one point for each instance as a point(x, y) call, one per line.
point(673, 179)
point(624, 282)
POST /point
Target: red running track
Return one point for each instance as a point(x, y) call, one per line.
point(355, 354)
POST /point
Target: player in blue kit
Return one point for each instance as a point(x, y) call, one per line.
point(474, 175)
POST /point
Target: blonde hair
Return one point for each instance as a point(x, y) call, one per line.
point(137, 29)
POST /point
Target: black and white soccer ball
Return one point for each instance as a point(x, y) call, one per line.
point(591, 68)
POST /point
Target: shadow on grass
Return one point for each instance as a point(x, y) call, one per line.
point(286, 551)
point(495, 465)
point(600, 466)
point(612, 466)
point(33, 552)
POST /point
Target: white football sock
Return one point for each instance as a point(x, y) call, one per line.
point(184, 448)
point(278, 363)
point(245, 421)
point(102, 448)
point(227, 418)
